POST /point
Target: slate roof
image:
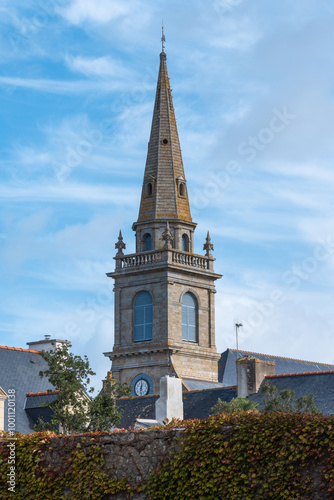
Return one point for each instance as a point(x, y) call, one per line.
point(196, 404)
point(35, 405)
point(198, 385)
point(19, 370)
point(227, 373)
point(320, 384)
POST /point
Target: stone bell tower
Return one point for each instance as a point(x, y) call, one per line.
point(164, 293)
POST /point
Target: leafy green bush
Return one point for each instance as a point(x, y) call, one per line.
point(285, 400)
point(236, 404)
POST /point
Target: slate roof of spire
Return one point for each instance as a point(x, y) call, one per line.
point(161, 198)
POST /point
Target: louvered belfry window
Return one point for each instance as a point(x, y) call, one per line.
point(147, 242)
point(185, 243)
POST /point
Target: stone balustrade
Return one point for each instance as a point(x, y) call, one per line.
point(140, 259)
point(191, 260)
point(156, 256)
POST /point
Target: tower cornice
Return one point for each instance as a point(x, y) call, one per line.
point(152, 222)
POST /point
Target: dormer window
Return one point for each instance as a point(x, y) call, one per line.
point(182, 189)
point(149, 189)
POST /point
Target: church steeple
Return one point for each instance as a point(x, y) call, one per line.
point(164, 192)
point(164, 292)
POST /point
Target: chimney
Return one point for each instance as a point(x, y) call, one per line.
point(170, 404)
point(250, 374)
point(46, 344)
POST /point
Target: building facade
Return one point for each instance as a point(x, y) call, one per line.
point(164, 293)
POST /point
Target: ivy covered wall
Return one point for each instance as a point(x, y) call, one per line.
point(248, 455)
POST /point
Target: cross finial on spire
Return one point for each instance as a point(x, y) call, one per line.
point(163, 38)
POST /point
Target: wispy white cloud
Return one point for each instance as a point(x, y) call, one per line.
point(61, 86)
point(78, 11)
point(68, 192)
point(103, 66)
point(239, 34)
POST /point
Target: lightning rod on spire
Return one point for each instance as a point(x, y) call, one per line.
point(163, 38)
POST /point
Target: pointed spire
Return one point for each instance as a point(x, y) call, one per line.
point(120, 245)
point(208, 246)
point(164, 192)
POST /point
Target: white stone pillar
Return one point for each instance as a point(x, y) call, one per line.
point(170, 404)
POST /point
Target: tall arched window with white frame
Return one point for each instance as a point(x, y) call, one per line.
point(143, 317)
point(189, 317)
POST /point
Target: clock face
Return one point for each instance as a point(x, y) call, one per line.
point(141, 387)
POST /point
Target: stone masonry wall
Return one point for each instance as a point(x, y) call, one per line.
point(128, 455)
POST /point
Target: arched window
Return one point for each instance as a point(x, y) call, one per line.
point(147, 242)
point(143, 317)
point(182, 189)
point(185, 243)
point(149, 189)
point(189, 310)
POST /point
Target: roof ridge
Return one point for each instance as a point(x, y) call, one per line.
point(300, 373)
point(212, 389)
point(135, 397)
point(281, 357)
point(19, 349)
point(200, 380)
point(41, 393)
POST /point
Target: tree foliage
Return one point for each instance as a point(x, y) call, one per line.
point(285, 401)
point(103, 412)
point(75, 410)
point(236, 404)
point(274, 400)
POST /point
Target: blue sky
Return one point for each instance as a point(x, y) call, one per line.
point(253, 91)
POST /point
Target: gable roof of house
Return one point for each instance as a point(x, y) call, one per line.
point(196, 404)
point(19, 370)
point(227, 373)
point(320, 384)
point(3, 393)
